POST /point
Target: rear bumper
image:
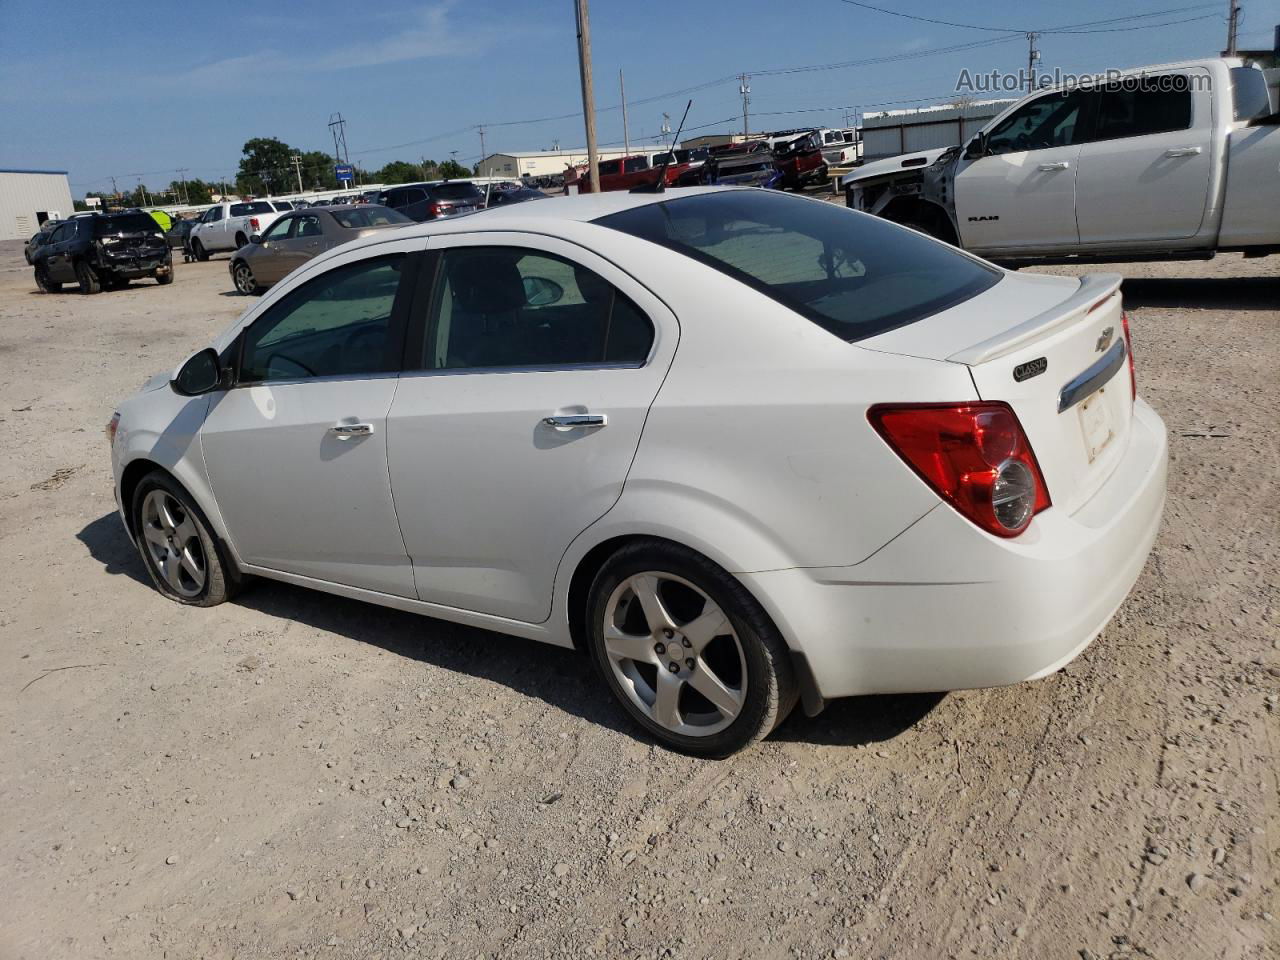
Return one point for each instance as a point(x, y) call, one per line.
point(127, 265)
point(945, 606)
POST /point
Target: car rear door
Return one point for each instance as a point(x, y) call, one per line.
point(1144, 174)
point(537, 363)
point(297, 451)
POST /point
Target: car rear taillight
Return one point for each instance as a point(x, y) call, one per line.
point(110, 430)
point(1128, 347)
point(974, 455)
point(253, 224)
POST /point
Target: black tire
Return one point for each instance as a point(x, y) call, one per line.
point(43, 283)
point(166, 278)
point(198, 251)
point(88, 278)
point(112, 282)
point(221, 581)
point(242, 277)
point(241, 241)
point(762, 658)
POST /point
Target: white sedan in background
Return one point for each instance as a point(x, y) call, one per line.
point(744, 448)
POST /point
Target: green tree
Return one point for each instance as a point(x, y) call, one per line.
point(317, 171)
point(452, 170)
point(266, 166)
point(399, 171)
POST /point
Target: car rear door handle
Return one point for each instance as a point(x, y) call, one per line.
point(570, 420)
point(1058, 165)
point(1183, 152)
point(345, 431)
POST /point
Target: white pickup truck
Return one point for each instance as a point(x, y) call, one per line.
point(1179, 161)
point(228, 226)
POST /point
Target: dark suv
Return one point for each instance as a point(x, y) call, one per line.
point(103, 252)
point(433, 201)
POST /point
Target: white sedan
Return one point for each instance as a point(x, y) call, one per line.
point(743, 448)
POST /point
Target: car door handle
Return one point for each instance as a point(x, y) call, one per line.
point(1183, 152)
point(345, 431)
point(569, 420)
point(1059, 165)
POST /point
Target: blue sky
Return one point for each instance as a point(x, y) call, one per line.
point(136, 87)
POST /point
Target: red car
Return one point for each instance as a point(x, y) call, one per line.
point(800, 161)
point(627, 173)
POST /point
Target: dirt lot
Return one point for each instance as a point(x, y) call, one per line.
point(300, 775)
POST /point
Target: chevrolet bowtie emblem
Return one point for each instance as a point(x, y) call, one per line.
point(1104, 339)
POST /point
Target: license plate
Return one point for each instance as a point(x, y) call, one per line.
point(1095, 424)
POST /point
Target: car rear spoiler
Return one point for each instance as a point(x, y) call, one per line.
point(1093, 289)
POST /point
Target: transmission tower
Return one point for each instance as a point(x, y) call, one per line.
point(338, 127)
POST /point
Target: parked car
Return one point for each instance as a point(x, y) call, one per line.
point(750, 165)
point(740, 446)
point(297, 237)
point(228, 226)
point(433, 201)
point(103, 252)
point(39, 239)
point(177, 234)
point(502, 198)
point(1160, 162)
point(800, 161)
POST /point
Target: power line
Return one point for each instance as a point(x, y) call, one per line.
point(1006, 29)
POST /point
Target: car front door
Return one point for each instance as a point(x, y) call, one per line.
point(536, 370)
point(1021, 193)
point(271, 261)
point(297, 450)
point(306, 241)
point(1144, 174)
point(57, 253)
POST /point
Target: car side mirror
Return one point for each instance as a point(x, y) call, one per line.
point(977, 147)
point(255, 238)
point(200, 374)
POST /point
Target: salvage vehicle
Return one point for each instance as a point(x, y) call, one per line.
point(103, 252)
point(747, 165)
point(437, 200)
point(800, 161)
point(297, 237)
point(39, 239)
point(1170, 162)
point(228, 226)
point(741, 447)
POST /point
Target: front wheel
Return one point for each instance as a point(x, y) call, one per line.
point(198, 251)
point(164, 278)
point(244, 281)
point(177, 546)
point(43, 282)
point(688, 652)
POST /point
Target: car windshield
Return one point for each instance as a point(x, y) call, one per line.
point(369, 215)
point(257, 206)
point(124, 223)
point(456, 191)
point(854, 275)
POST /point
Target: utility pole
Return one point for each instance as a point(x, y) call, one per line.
point(1032, 56)
point(588, 98)
point(182, 172)
point(744, 88)
point(483, 155)
point(1233, 26)
point(297, 168)
point(626, 136)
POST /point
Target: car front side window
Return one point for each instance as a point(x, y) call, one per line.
point(1051, 121)
point(342, 323)
point(279, 230)
point(515, 307)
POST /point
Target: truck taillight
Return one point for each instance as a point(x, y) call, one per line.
point(434, 208)
point(1128, 348)
point(974, 455)
point(253, 224)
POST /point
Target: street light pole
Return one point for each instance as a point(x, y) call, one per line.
point(588, 98)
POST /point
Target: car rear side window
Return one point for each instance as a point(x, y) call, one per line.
point(456, 191)
point(1148, 106)
point(339, 324)
point(515, 307)
point(854, 275)
point(256, 206)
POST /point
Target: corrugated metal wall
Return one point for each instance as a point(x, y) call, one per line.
point(23, 194)
point(913, 133)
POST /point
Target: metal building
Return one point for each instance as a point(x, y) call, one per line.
point(29, 197)
point(896, 132)
point(545, 163)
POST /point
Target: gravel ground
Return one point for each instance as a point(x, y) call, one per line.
point(296, 774)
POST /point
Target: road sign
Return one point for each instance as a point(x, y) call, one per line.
point(344, 172)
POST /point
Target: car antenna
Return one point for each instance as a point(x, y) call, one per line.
point(659, 185)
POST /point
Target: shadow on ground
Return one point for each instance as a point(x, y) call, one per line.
point(1203, 293)
point(562, 678)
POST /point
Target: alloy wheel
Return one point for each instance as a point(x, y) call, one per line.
point(173, 543)
point(244, 279)
point(675, 654)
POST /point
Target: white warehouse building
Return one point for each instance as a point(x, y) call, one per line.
point(30, 197)
point(895, 132)
point(545, 163)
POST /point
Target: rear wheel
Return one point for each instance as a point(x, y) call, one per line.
point(177, 546)
point(198, 251)
point(241, 240)
point(688, 652)
point(164, 278)
point(88, 278)
point(244, 281)
point(44, 283)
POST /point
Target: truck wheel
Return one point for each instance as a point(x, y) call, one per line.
point(198, 250)
point(44, 283)
point(87, 277)
point(241, 240)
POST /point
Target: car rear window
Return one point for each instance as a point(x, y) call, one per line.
point(852, 274)
point(456, 191)
point(124, 223)
point(369, 215)
point(282, 204)
point(257, 206)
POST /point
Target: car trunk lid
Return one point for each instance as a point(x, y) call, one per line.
point(1054, 349)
